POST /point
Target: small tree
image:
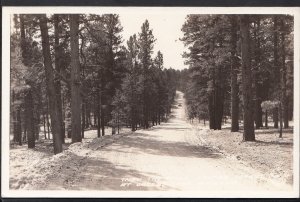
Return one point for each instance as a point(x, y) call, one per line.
point(118, 112)
point(269, 106)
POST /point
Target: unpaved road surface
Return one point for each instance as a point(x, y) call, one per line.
point(166, 157)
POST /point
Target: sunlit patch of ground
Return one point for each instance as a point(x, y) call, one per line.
point(269, 154)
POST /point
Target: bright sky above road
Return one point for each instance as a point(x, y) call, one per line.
point(166, 30)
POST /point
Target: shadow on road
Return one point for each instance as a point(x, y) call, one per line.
point(144, 142)
point(101, 174)
point(288, 144)
point(94, 173)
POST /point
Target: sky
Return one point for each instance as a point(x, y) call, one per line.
point(167, 31)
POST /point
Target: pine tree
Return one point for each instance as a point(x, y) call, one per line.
point(146, 42)
point(57, 141)
point(234, 73)
point(248, 134)
point(276, 77)
point(75, 79)
point(58, 66)
point(205, 35)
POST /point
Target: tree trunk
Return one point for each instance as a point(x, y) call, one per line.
point(212, 102)
point(145, 100)
point(248, 134)
point(276, 68)
point(284, 98)
point(75, 79)
point(24, 123)
point(258, 86)
point(19, 126)
point(58, 64)
point(275, 117)
point(57, 140)
point(159, 117)
point(216, 97)
point(88, 115)
point(14, 116)
point(146, 123)
point(118, 126)
point(44, 123)
point(266, 119)
point(48, 122)
point(211, 112)
point(101, 103)
point(113, 130)
point(96, 109)
point(132, 119)
point(219, 99)
point(280, 120)
point(98, 115)
point(234, 72)
point(37, 120)
point(216, 101)
point(258, 111)
point(83, 119)
point(29, 117)
point(102, 120)
point(64, 115)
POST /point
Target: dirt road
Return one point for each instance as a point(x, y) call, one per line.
point(167, 157)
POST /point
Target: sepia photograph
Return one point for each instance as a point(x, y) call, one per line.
point(169, 102)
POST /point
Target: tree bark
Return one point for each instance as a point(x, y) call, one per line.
point(234, 72)
point(216, 100)
point(258, 110)
point(284, 98)
point(37, 115)
point(48, 122)
point(57, 140)
point(275, 117)
point(101, 109)
point(258, 86)
point(102, 120)
point(266, 119)
point(219, 98)
point(44, 123)
point(83, 119)
point(95, 109)
point(75, 79)
point(98, 115)
point(211, 111)
point(58, 64)
point(132, 119)
point(276, 68)
point(248, 134)
point(19, 126)
point(88, 115)
point(14, 116)
point(280, 120)
point(29, 117)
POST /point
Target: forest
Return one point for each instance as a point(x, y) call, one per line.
point(240, 68)
point(96, 104)
point(73, 73)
